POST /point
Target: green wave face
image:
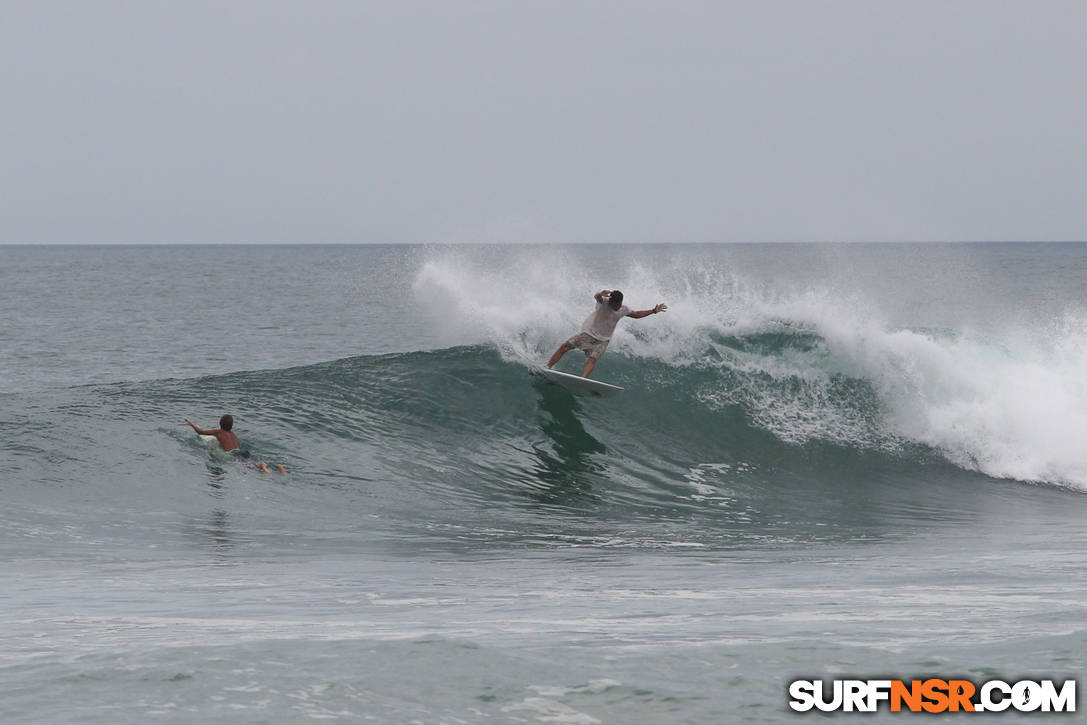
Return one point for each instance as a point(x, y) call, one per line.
point(762, 438)
point(463, 438)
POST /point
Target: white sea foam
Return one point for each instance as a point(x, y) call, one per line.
point(1007, 401)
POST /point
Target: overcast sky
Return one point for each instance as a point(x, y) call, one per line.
point(513, 121)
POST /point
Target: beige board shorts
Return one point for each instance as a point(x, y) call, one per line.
point(592, 347)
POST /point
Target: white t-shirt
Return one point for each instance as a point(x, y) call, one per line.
point(601, 323)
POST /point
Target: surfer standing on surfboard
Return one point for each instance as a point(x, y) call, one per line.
point(598, 327)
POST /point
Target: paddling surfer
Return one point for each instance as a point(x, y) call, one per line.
point(598, 327)
point(228, 441)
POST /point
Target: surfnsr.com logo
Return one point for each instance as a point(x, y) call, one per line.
point(932, 695)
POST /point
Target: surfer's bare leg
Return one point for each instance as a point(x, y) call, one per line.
point(589, 365)
point(263, 467)
point(563, 349)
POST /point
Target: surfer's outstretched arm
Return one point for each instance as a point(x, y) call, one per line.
point(201, 431)
point(645, 313)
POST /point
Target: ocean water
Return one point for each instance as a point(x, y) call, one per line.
point(830, 460)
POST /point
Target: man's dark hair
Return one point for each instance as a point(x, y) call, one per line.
point(226, 422)
point(615, 298)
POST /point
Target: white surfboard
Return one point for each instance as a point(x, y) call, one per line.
point(577, 384)
point(213, 446)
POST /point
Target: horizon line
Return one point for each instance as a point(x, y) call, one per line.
point(530, 244)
